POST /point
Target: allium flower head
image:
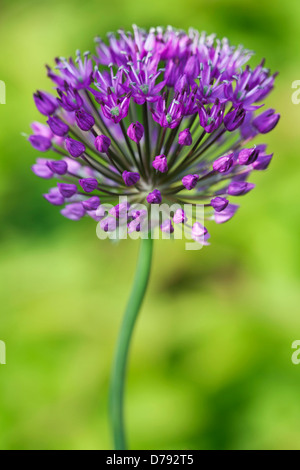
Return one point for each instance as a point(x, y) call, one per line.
point(156, 116)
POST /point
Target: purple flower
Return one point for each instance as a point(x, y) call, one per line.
point(190, 181)
point(45, 103)
point(84, 120)
point(211, 118)
point(60, 167)
point(167, 116)
point(189, 92)
point(39, 142)
point(154, 197)
point(69, 100)
point(248, 156)
point(250, 86)
point(238, 188)
point(160, 163)
point(88, 184)
point(135, 132)
point(74, 147)
point(91, 204)
point(219, 203)
point(102, 143)
point(73, 211)
point(130, 178)
point(266, 121)
point(224, 163)
point(78, 73)
point(112, 111)
point(67, 190)
point(57, 126)
point(185, 138)
point(54, 197)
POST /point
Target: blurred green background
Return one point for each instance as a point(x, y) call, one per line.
point(210, 363)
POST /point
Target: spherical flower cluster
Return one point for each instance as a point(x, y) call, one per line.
point(158, 116)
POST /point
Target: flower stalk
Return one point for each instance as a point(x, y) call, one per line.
point(118, 376)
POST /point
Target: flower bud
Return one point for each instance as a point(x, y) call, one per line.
point(39, 142)
point(91, 204)
point(73, 211)
point(226, 214)
point(248, 156)
point(185, 138)
point(167, 227)
point(84, 120)
point(234, 119)
point(41, 129)
point(54, 197)
point(42, 170)
point(88, 184)
point(160, 163)
point(135, 225)
point(67, 190)
point(130, 178)
point(109, 224)
point(224, 163)
point(239, 188)
point(154, 197)
point(179, 217)
point(190, 181)
point(135, 132)
point(74, 147)
point(102, 143)
point(45, 103)
point(120, 210)
point(199, 232)
point(262, 162)
point(219, 203)
point(60, 167)
point(57, 126)
point(266, 121)
point(97, 214)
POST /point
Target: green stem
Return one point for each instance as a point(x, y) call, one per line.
point(118, 377)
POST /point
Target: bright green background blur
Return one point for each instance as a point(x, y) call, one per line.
point(211, 362)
